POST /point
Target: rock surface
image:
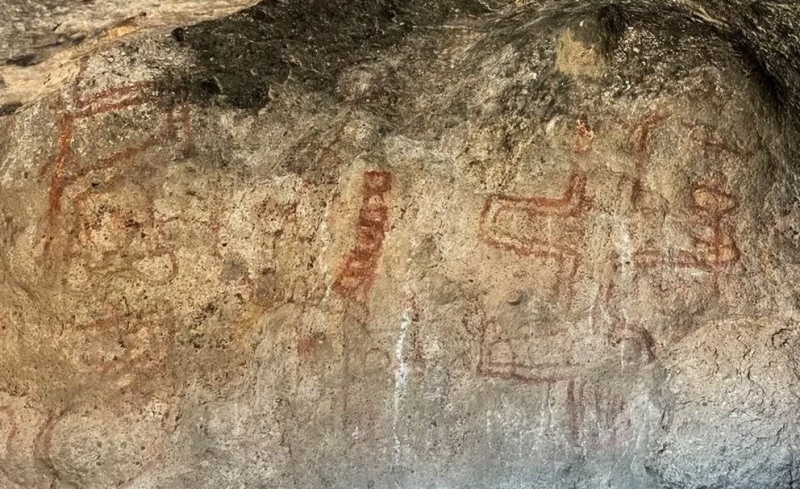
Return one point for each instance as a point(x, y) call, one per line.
point(41, 41)
point(423, 244)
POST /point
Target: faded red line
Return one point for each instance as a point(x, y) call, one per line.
point(13, 432)
point(65, 133)
point(113, 91)
point(133, 101)
point(43, 441)
point(521, 378)
point(122, 155)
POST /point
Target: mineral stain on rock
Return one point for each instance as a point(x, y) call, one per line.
point(406, 244)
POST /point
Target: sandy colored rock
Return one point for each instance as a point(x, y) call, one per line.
point(42, 41)
point(476, 253)
point(576, 57)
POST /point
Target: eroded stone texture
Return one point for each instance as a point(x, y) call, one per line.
point(41, 40)
point(519, 250)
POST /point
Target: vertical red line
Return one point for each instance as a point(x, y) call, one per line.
point(65, 133)
point(13, 431)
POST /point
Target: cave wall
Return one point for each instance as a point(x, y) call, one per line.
point(475, 245)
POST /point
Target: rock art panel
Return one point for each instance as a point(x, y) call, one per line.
point(546, 228)
point(709, 210)
point(78, 107)
point(714, 243)
point(547, 358)
point(551, 353)
point(540, 227)
point(219, 285)
point(356, 273)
